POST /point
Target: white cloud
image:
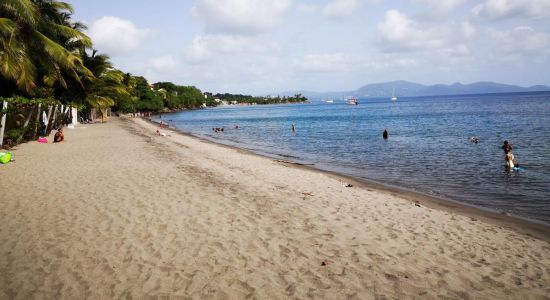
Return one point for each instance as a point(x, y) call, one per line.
point(341, 8)
point(240, 16)
point(326, 62)
point(307, 8)
point(468, 30)
point(163, 63)
point(117, 36)
point(522, 40)
point(500, 9)
point(399, 33)
point(204, 47)
point(442, 5)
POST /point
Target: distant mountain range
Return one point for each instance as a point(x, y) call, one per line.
point(410, 89)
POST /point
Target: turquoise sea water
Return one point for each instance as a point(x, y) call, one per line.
point(428, 149)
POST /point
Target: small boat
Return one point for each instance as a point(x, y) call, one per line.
point(353, 101)
point(329, 101)
point(393, 98)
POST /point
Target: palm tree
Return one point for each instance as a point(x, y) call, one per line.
point(107, 90)
point(33, 34)
point(107, 87)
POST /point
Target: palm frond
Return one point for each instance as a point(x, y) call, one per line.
point(72, 34)
point(61, 6)
point(7, 27)
point(57, 53)
point(16, 65)
point(21, 10)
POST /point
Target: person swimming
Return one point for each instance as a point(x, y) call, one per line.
point(385, 135)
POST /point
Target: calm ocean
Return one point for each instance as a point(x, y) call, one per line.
point(428, 149)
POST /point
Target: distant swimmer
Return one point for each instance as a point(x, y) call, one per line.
point(474, 140)
point(385, 134)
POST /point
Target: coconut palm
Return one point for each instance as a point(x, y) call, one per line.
point(33, 34)
point(107, 90)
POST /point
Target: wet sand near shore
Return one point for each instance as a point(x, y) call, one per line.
point(119, 212)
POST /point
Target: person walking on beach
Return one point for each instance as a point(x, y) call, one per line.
point(385, 134)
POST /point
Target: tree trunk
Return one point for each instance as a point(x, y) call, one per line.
point(3, 122)
point(28, 118)
point(25, 125)
point(54, 118)
point(38, 113)
point(49, 121)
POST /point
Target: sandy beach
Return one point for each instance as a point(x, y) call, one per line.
point(116, 211)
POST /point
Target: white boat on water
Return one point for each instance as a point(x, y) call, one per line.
point(393, 98)
point(329, 101)
point(353, 101)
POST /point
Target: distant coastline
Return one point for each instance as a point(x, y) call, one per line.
point(411, 89)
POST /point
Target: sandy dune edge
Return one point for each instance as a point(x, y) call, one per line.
point(117, 212)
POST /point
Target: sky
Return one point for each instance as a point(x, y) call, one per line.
point(264, 47)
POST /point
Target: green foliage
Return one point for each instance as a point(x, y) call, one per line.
point(15, 134)
point(45, 58)
point(19, 101)
point(34, 44)
point(179, 97)
point(190, 96)
point(147, 99)
point(238, 98)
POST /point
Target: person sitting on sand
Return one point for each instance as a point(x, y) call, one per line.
point(161, 133)
point(59, 136)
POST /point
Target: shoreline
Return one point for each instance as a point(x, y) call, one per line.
point(521, 224)
point(116, 211)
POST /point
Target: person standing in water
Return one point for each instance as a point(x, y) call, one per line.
point(506, 147)
point(508, 155)
point(385, 134)
point(293, 127)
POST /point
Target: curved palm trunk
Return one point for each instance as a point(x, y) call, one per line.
point(28, 120)
point(54, 119)
point(38, 111)
point(3, 122)
point(49, 120)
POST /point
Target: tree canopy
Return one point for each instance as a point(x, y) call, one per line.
point(44, 53)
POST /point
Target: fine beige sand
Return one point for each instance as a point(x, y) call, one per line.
point(118, 212)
